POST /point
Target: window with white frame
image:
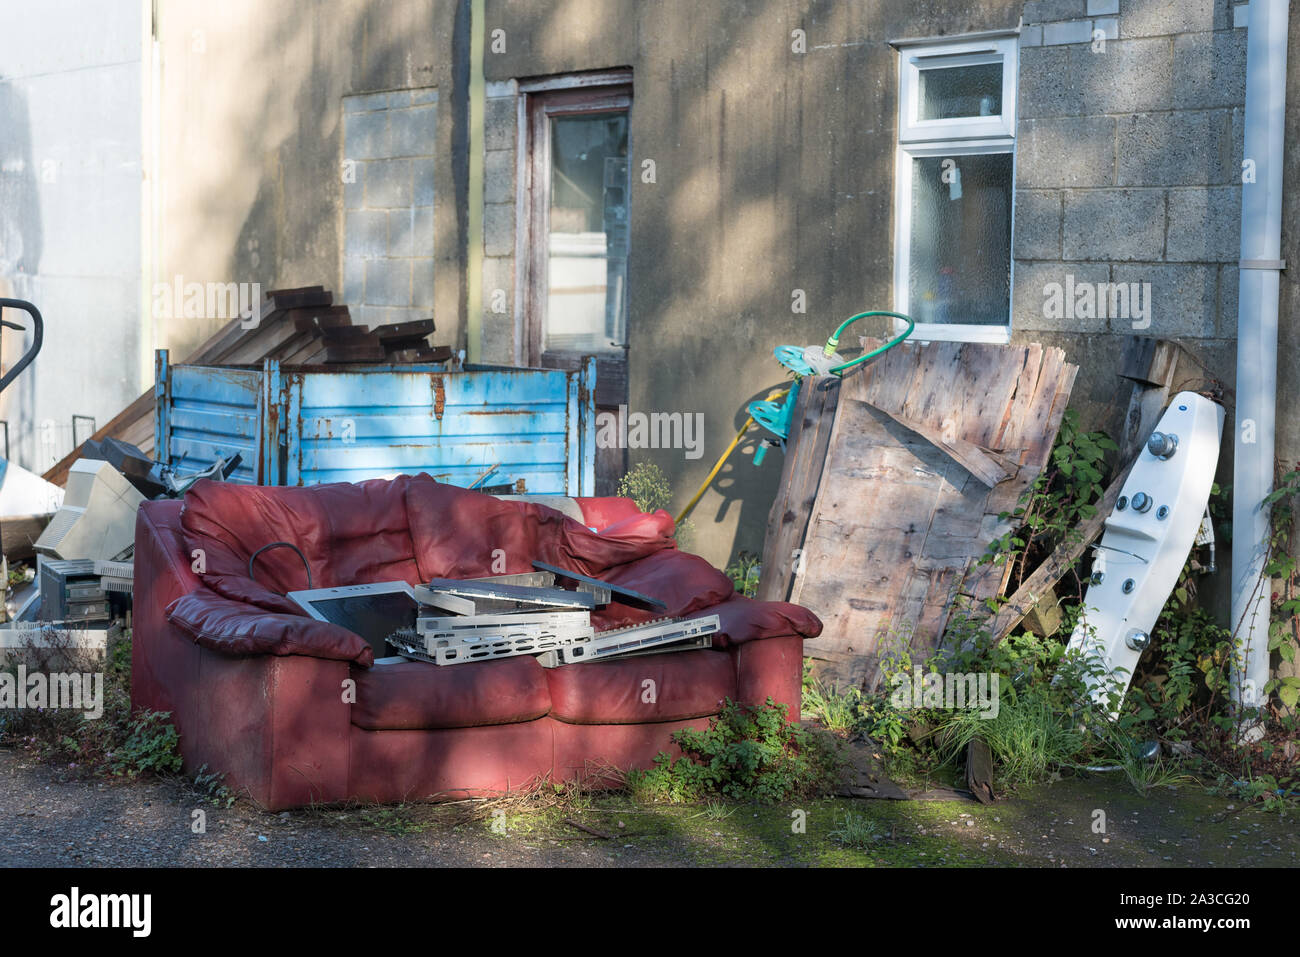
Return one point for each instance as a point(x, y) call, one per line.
point(953, 181)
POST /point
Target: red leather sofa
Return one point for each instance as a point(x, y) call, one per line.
point(294, 711)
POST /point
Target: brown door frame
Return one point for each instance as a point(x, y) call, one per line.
point(540, 101)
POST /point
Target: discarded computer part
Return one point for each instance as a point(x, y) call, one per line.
point(71, 591)
point(451, 641)
point(410, 644)
point(652, 636)
point(525, 579)
point(495, 598)
point(118, 577)
point(373, 611)
point(452, 604)
point(1147, 539)
point(625, 596)
point(97, 518)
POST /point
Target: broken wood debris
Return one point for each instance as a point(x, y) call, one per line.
point(297, 327)
point(901, 506)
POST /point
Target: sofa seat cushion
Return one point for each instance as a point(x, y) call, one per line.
point(417, 695)
point(645, 688)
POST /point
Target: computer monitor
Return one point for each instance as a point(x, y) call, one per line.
point(372, 611)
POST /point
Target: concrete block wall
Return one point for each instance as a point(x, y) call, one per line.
point(501, 133)
point(1129, 163)
point(389, 141)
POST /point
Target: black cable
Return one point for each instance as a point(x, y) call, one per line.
point(305, 565)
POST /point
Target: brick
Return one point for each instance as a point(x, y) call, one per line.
point(1155, 18)
point(428, 94)
point(354, 281)
point(1030, 37)
point(1102, 7)
point(499, 176)
point(1229, 280)
point(1184, 298)
point(414, 131)
point(422, 177)
point(499, 88)
point(1032, 284)
point(365, 234)
point(1066, 151)
point(1107, 225)
point(499, 229)
point(1109, 27)
point(1069, 31)
point(422, 283)
point(1204, 224)
point(1128, 76)
point(1209, 70)
point(389, 184)
point(500, 122)
point(1036, 11)
point(365, 135)
point(399, 99)
point(1038, 224)
point(1187, 148)
point(498, 276)
point(1240, 16)
point(354, 196)
point(401, 232)
point(1047, 84)
point(388, 282)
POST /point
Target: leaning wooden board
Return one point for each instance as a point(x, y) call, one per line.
point(898, 521)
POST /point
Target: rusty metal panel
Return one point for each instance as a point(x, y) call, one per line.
point(210, 412)
point(533, 428)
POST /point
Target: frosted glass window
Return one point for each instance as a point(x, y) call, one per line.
point(959, 263)
point(586, 307)
point(959, 91)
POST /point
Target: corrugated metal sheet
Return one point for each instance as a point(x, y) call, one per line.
point(536, 425)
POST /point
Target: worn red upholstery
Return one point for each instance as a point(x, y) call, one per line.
point(296, 711)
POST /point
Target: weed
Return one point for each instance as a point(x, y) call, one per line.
point(856, 831)
point(151, 745)
point(749, 754)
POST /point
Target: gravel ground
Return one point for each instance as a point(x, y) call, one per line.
point(48, 819)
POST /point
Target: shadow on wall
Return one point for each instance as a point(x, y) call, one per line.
point(21, 242)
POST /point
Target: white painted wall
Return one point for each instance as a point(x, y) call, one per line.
point(70, 212)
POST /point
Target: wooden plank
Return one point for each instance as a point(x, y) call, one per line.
point(929, 446)
point(805, 456)
point(1150, 365)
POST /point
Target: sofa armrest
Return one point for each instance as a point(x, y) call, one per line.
point(237, 629)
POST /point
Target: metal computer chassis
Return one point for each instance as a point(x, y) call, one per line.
point(454, 641)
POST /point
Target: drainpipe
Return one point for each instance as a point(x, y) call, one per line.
point(474, 230)
point(1257, 308)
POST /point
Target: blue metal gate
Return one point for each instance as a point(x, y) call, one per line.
point(531, 428)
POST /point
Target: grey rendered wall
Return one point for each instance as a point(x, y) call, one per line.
point(1129, 171)
point(70, 192)
point(773, 173)
point(254, 161)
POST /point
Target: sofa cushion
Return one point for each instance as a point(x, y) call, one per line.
point(348, 534)
point(645, 688)
point(463, 534)
point(414, 695)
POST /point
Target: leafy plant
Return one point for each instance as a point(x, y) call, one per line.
point(748, 754)
point(210, 786)
point(646, 485)
point(837, 712)
point(152, 744)
point(744, 574)
point(855, 830)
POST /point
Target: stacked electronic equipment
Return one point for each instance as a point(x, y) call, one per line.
point(463, 621)
point(72, 591)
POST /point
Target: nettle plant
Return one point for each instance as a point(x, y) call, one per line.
point(1063, 496)
point(1283, 631)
